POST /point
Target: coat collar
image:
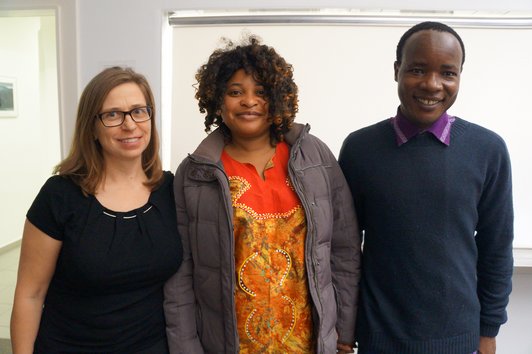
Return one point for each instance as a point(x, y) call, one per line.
point(210, 149)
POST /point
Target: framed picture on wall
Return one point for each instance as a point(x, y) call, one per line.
point(8, 97)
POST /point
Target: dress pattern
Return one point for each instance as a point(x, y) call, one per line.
point(272, 298)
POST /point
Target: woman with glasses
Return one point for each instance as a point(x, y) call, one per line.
point(100, 239)
point(270, 238)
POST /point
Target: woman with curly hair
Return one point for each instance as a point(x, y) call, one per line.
point(270, 238)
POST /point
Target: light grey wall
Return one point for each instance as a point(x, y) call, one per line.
point(85, 33)
point(137, 40)
point(67, 41)
point(514, 337)
point(140, 46)
point(27, 54)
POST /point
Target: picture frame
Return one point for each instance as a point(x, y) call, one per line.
point(8, 97)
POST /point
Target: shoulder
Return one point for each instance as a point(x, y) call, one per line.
point(58, 201)
point(312, 147)
point(477, 135)
point(61, 185)
point(371, 132)
point(163, 196)
point(165, 184)
point(368, 140)
point(168, 178)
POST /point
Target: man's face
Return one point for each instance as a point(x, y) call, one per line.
point(428, 76)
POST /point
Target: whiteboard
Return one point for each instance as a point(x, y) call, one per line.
point(345, 79)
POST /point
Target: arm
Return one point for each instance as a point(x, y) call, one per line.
point(38, 258)
point(494, 243)
point(487, 345)
point(179, 297)
point(345, 257)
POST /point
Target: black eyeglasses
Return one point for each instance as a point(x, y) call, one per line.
point(117, 118)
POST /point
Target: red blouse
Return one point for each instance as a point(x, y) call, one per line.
point(272, 298)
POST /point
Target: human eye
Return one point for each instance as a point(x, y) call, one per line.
point(260, 92)
point(416, 71)
point(450, 74)
point(234, 92)
point(140, 111)
point(112, 115)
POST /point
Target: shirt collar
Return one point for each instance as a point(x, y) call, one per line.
point(405, 130)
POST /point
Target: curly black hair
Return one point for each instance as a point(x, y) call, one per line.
point(266, 66)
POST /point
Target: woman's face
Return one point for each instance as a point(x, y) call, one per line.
point(129, 140)
point(245, 107)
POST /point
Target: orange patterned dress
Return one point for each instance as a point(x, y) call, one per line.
point(272, 299)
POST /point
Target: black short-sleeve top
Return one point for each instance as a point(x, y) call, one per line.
point(106, 295)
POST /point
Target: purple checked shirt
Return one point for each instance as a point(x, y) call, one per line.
point(404, 130)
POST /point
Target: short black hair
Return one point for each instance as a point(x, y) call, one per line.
point(427, 25)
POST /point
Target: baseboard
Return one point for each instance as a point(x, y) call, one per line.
point(9, 246)
point(5, 346)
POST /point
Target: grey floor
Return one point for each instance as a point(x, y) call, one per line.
point(9, 257)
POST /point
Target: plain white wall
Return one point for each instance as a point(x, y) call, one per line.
point(138, 43)
point(67, 53)
point(87, 43)
point(27, 53)
point(137, 40)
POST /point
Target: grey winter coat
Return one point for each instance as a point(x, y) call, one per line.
point(199, 299)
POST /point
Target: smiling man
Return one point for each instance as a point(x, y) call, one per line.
point(433, 194)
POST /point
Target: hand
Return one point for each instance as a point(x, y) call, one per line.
point(342, 348)
point(487, 345)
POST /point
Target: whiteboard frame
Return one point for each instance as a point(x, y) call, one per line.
point(221, 17)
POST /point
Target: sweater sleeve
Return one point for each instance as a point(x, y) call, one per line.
point(494, 242)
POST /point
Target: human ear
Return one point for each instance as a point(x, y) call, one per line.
point(396, 66)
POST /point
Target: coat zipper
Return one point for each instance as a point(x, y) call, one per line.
point(310, 228)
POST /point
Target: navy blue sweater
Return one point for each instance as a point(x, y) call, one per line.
point(438, 230)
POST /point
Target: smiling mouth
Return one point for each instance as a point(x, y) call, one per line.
point(250, 113)
point(129, 140)
point(427, 101)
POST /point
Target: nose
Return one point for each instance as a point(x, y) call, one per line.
point(432, 82)
point(249, 100)
point(129, 123)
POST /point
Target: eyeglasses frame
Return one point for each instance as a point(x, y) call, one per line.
point(125, 113)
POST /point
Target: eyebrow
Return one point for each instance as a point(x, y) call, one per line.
point(450, 66)
point(111, 109)
point(240, 84)
point(424, 64)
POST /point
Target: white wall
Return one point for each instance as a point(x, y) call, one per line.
point(137, 41)
point(32, 137)
point(84, 34)
point(140, 45)
point(514, 337)
point(67, 51)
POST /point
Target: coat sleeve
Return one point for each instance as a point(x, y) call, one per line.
point(179, 297)
point(345, 254)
